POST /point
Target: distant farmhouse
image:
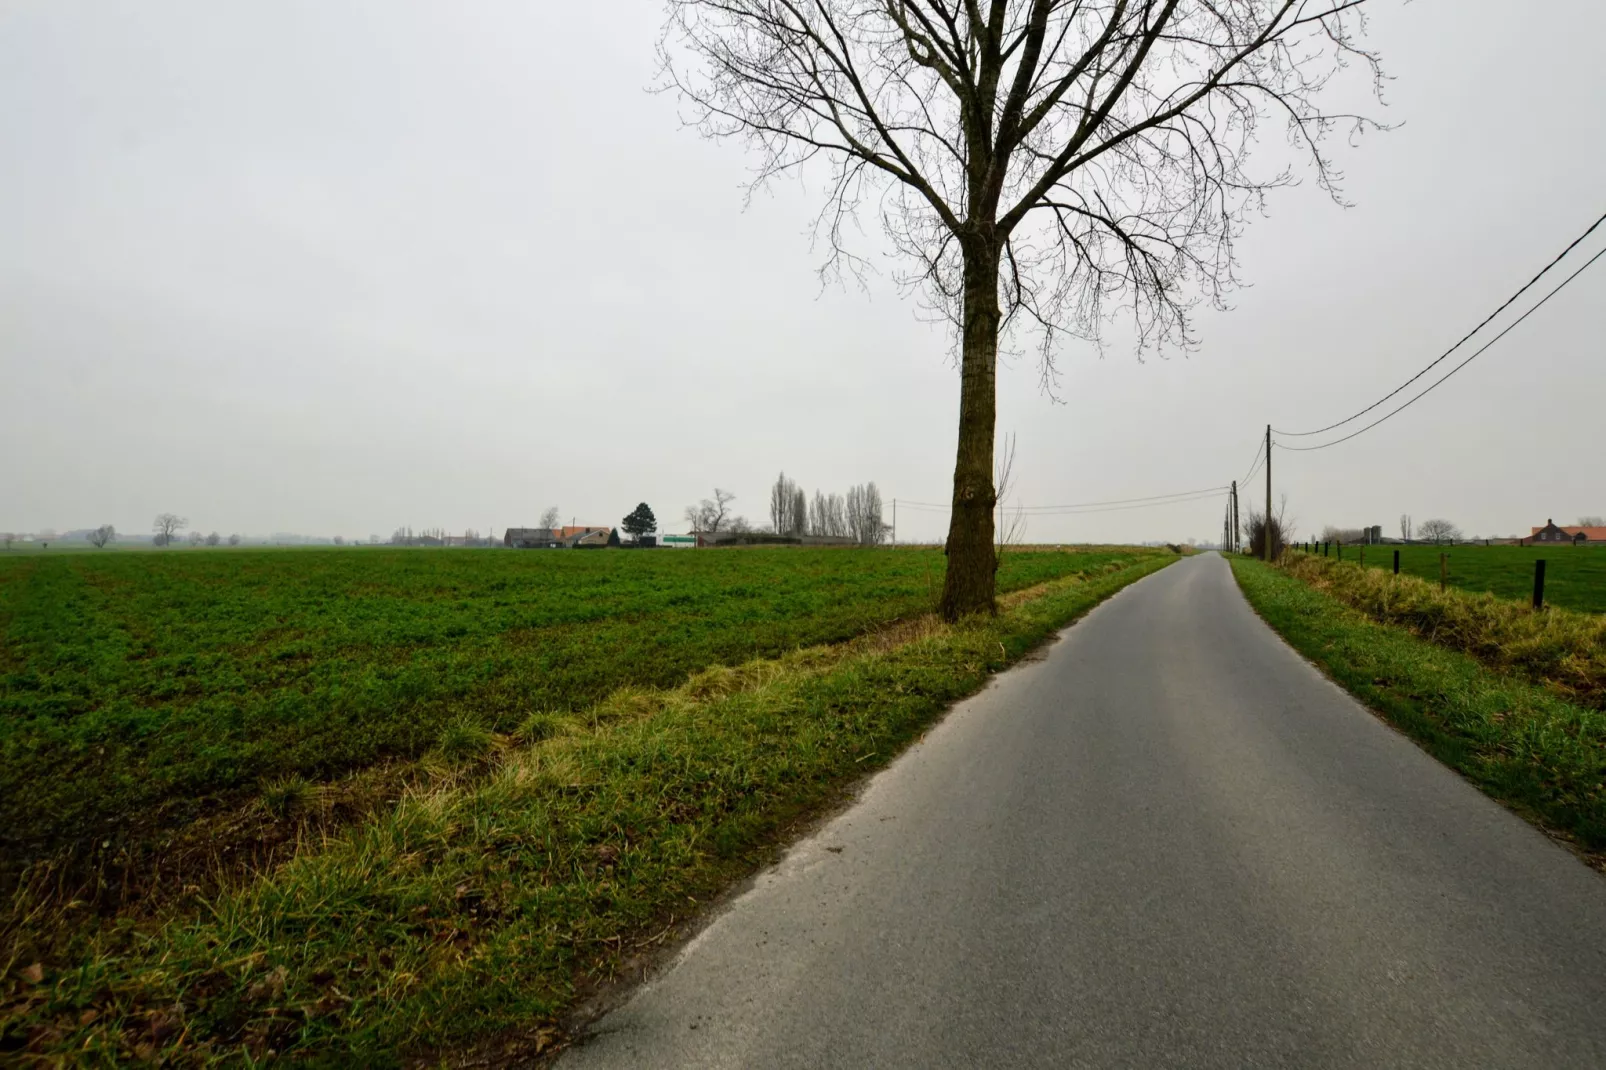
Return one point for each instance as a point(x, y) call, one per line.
point(1574, 534)
point(576, 537)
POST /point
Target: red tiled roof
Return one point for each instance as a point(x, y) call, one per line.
point(1591, 534)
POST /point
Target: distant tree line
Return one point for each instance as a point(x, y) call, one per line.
point(855, 515)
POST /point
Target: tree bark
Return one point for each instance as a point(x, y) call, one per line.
point(970, 583)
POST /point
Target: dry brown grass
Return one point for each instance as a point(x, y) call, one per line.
point(1558, 647)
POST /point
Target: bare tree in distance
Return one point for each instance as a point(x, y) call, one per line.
point(800, 512)
point(1042, 163)
point(1592, 521)
point(1439, 530)
point(234, 540)
point(1010, 529)
point(739, 525)
point(863, 505)
point(101, 536)
point(551, 518)
point(8, 537)
point(710, 514)
point(167, 526)
point(338, 540)
point(1256, 533)
point(1405, 526)
point(721, 507)
point(196, 538)
point(783, 503)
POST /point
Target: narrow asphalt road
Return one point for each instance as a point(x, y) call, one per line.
point(1168, 842)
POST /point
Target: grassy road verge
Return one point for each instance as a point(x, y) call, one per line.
point(1520, 740)
point(522, 868)
point(1559, 648)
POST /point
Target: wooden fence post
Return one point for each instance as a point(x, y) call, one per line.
point(1396, 562)
point(1539, 584)
point(1444, 571)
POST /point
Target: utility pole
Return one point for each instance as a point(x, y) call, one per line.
point(1233, 518)
point(1266, 531)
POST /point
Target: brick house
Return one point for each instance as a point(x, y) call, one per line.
point(1554, 533)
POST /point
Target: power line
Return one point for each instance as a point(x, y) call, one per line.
point(1259, 460)
point(1093, 507)
point(1081, 505)
point(1526, 286)
point(1260, 444)
point(1455, 369)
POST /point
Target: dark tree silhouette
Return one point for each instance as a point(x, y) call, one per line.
point(640, 522)
point(1040, 162)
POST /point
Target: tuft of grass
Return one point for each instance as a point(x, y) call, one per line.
point(541, 725)
point(464, 740)
point(288, 796)
point(475, 906)
point(1558, 647)
point(1518, 740)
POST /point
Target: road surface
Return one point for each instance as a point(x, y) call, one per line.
point(1169, 842)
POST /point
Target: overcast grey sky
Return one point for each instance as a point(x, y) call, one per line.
point(335, 267)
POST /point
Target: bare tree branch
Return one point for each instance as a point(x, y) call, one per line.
point(1044, 165)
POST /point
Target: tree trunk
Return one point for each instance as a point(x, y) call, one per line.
point(972, 562)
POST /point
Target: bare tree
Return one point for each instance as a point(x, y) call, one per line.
point(739, 525)
point(710, 514)
point(1405, 526)
point(100, 536)
point(338, 540)
point(1041, 162)
point(863, 507)
point(800, 512)
point(783, 505)
point(1011, 528)
point(234, 540)
point(1592, 522)
point(196, 538)
point(167, 526)
point(722, 501)
point(1439, 530)
point(1334, 533)
point(551, 518)
point(8, 537)
point(1256, 531)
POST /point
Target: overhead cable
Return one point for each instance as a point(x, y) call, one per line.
point(1526, 286)
point(1455, 369)
point(1184, 498)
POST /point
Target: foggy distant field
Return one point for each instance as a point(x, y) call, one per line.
point(1575, 576)
point(141, 690)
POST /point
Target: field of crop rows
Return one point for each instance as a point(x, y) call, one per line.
point(139, 690)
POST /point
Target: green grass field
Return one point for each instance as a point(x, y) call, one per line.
point(1575, 576)
point(138, 691)
point(510, 877)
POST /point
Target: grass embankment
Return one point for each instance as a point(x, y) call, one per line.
point(1561, 649)
point(140, 692)
point(1528, 741)
point(517, 870)
point(1575, 576)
